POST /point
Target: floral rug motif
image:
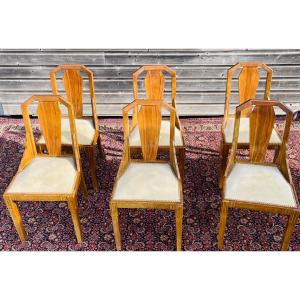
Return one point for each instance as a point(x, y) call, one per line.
point(49, 225)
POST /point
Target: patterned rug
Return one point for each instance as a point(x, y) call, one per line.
point(49, 225)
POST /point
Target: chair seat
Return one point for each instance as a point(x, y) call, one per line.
point(164, 137)
point(259, 184)
point(148, 181)
point(46, 175)
point(244, 132)
point(85, 132)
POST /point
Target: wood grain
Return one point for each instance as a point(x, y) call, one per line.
point(73, 86)
point(149, 122)
point(262, 120)
point(248, 83)
point(49, 116)
point(154, 85)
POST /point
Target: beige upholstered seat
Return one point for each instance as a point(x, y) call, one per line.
point(164, 138)
point(260, 184)
point(244, 132)
point(148, 181)
point(46, 175)
point(84, 128)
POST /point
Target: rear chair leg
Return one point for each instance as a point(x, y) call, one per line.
point(82, 183)
point(181, 163)
point(92, 163)
point(100, 147)
point(224, 155)
point(276, 153)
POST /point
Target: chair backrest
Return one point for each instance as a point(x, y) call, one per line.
point(73, 85)
point(49, 118)
point(154, 82)
point(248, 81)
point(262, 120)
point(149, 122)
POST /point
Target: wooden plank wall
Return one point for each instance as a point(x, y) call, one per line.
point(201, 76)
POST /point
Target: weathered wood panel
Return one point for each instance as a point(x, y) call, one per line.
point(125, 85)
point(201, 75)
point(125, 72)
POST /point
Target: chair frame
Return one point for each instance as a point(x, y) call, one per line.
point(126, 159)
point(49, 114)
point(72, 81)
point(155, 91)
point(248, 84)
point(258, 151)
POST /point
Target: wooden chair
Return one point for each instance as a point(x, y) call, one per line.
point(148, 183)
point(87, 127)
point(154, 86)
point(43, 177)
point(253, 183)
point(248, 81)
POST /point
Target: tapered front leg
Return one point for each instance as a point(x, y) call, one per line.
point(115, 221)
point(16, 217)
point(223, 220)
point(179, 216)
point(73, 207)
point(289, 231)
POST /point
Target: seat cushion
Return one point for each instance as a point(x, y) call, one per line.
point(260, 184)
point(46, 175)
point(148, 181)
point(164, 137)
point(244, 132)
point(85, 132)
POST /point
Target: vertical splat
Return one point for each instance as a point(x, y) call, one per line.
point(154, 85)
point(49, 116)
point(149, 122)
point(262, 121)
point(248, 83)
point(73, 85)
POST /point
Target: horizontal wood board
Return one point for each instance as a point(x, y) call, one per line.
point(201, 76)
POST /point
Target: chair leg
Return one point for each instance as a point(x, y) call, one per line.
point(276, 153)
point(92, 163)
point(39, 148)
point(115, 221)
point(83, 184)
point(222, 225)
point(179, 216)
point(289, 231)
point(73, 207)
point(100, 147)
point(16, 217)
point(181, 162)
point(224, 155)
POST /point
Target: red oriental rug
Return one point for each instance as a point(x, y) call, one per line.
point(49, 225)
